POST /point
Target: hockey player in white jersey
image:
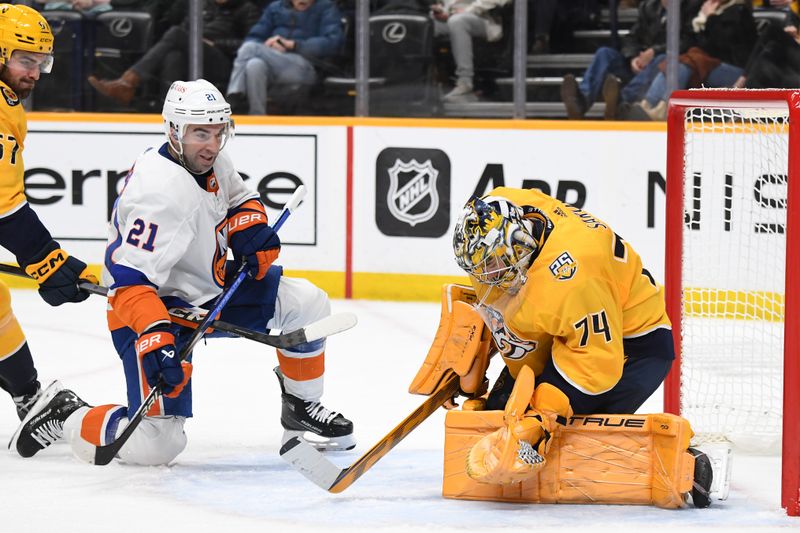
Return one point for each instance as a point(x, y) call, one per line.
point(181, 207)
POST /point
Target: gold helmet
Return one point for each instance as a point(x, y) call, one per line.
point(492, 241)
point(24, 28)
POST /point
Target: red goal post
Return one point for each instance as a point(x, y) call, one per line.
point(733, 299)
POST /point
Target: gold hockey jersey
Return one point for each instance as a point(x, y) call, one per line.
point(585, 291)
point(13, 129)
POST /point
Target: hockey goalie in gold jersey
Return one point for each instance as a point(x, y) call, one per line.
point(560, 293)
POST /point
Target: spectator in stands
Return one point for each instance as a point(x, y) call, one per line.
point(225, 23)
point(464, 20)
point(281, 50)
point(623, 76)
point(775, 62)
point(725, 35)
point(85, 6)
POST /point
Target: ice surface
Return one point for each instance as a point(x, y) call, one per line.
point(230, 477)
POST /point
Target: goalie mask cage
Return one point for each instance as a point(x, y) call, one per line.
point(732, 269)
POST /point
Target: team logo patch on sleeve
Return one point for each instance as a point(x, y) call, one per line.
point(564, 267)
point(11, 98)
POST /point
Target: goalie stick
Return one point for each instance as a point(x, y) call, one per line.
point(105, 454)
point(316, 467)
point(330, 325)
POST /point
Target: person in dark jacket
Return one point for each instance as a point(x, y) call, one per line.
point(624, 75)
point(725, 36)
point(225, 24)
point(775, 61)
point(281, 50)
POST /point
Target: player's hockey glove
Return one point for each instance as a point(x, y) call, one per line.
point(252, 239)
point(161, 362)
point(58, 274)
point(515, 452)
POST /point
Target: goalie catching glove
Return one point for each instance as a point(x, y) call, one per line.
point(252, 239)
point(515, 452)
point(161, 362)
point(463, 344)
point(58, 275)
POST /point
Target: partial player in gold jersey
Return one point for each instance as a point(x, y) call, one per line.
point(570, 308)
point(26, 46)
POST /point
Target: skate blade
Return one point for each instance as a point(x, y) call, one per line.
point(54, 388)
point(323, 444)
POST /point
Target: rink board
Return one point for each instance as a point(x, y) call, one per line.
point(384, 194)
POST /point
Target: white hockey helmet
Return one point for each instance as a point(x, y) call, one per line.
point(194, 102)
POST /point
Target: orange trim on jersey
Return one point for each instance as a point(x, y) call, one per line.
point(136, 307)
point(304, 369)
point(253, 205)
point(92, 427)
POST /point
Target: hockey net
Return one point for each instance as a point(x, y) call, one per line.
point(730, 223)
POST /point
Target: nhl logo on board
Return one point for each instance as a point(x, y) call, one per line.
point(418, 182)
point(412, 192)
point(564, 267)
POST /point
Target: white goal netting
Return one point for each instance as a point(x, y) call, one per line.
point(734, 253)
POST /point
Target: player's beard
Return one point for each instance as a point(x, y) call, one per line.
point(21, 92)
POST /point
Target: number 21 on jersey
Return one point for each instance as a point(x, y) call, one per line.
point(135, 235)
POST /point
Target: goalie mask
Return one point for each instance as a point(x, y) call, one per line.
point(494, 243)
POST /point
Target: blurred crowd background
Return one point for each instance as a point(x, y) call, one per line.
point(585, 59)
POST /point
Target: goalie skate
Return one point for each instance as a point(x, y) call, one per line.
point(720, 456)
point(322, 428)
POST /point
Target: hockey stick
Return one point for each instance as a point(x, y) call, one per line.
point(316, 467)
point(105, 454)
point(330, 325)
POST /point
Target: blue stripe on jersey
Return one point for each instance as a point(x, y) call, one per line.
point(113, 423)
point(116, 243)
point(126, 276)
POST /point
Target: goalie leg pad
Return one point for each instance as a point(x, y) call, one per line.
point(603, 459)
point(462, 343)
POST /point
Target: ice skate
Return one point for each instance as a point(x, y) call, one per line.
point(322, 428)
point(28, 405)
point(44, 424)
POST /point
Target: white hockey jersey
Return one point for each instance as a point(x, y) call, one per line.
point(168, 229)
